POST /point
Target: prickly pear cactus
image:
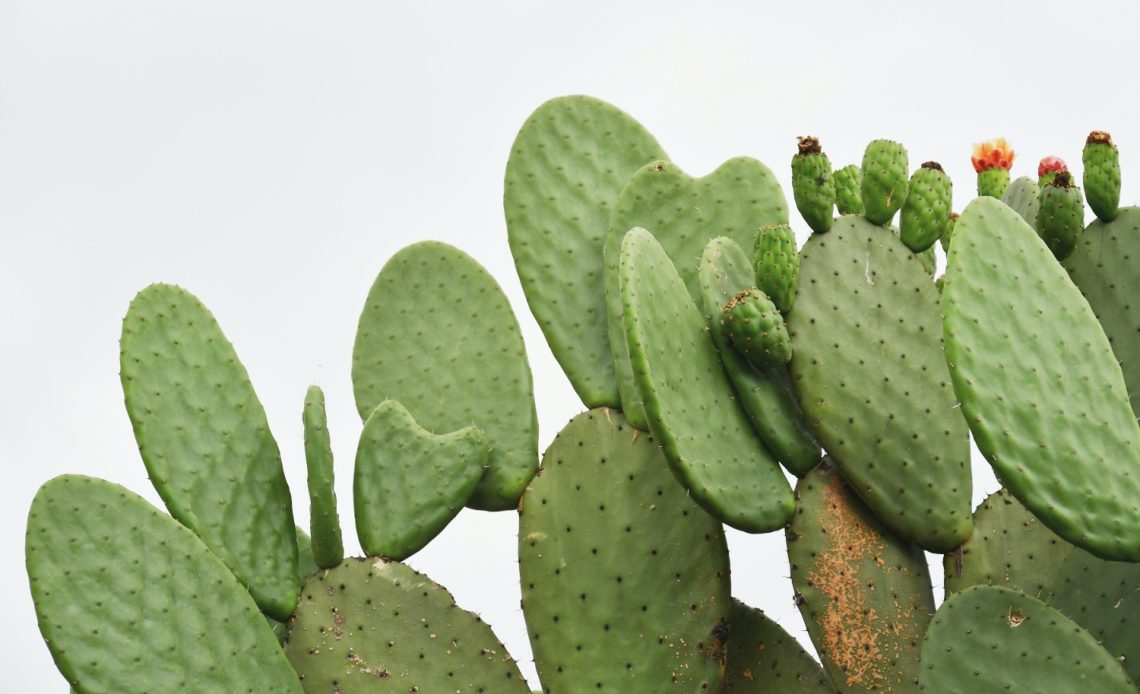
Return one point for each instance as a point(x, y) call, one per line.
point(849, 190)
point(777, 264)
point(756, 329)
point(926, 211)
point(1102, 175)
point(884, 180)
point(812, 185)
point(324, 523)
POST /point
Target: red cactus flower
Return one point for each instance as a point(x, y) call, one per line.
point(1051, 164)
point(992, 155)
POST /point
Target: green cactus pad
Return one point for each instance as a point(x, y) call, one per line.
point(756, 329)
point(206, 442)
point(1105, 266)
point(306, 566)
point(128, 600)
point(849, 190)
point(813, 187)
point(868, 367)
point(766, 395)
point(776, 264)
point(1064, 441)
point(567, 166)
point(625, 581)
point(438, 335)
point(684, 214)
point(1102, 175)
point(324, 523)
point(884, 184)
point(1023, 197)
point(375, 626)
point(928, 260)
point(410, 483)
point(993, 182)
point(990, 639)
point(763, 658)
point(948, 232)
point(692, 408)
point(864, 593)
point(1061, 215)
point(926, 211)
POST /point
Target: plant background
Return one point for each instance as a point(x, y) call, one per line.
point(270, 156)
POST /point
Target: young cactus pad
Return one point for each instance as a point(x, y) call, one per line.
point(884, 184)
point(849, 190)
point(756, 329)
point(812, 185)
point(324, 523)
point(1102, 175)
point(776, 264)
point(926, 211)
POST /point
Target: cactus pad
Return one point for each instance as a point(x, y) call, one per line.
point(1102, 175)
point(762, 657)
point(777, 264)
point(756, 329)
point(1023, 197)
point(849, 190)
point(813, 186)
point(438, 335)
point(926, 211)
point(884, 184)
point(324, 523)
point(1061, 215)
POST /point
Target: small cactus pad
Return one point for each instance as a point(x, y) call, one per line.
point(1106, 267)
point(324, 523)
point(371, 625)
point(692, 408)
point(756, 329)
point(625, 581)
point(764, 658)
point(864, 593)
point(1057, 429)
point(926, 211)
point(128, 600)
point(765, 394)
point(884, 184)
point(684, 214)
point(812, 185)
point(849, 190)
point(777, 264)
point(948, 232)
point(928, 261)
point(868, 367)
point(410, 483)
point(206, 442)
point(1061, 215)
point(306, 562)
point(566, 168)
point(1023, 197)
point(1102, 175)
point(990, 639)
point(438, 335)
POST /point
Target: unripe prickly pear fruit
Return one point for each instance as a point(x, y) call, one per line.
point(848, 190)
point(777, 264)
point(754, 326)
point(1102, 175)
point(1061, 218)
point(948, 232)
point(884, 180)
point(992, 160)
point(812, 185)
point(926, 211)
point(1048, 168)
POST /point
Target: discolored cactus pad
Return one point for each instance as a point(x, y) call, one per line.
point(324, 523)
point(1023, 197)
point(371, 625)
point(1039, 384)
point(206, 442)
point(438, 335)
point(868, 367)
point(990, 639)
point(625, 580)
point(756, 329)
point(410, 483)
point(692, 408)
point(128, 600)
point(884, 183)
point(864, 593)
point(762, 658)
point(566, 168)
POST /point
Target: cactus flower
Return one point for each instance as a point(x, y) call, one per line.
point(1051, 165)
point(992, 154)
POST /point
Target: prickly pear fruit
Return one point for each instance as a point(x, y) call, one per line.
point(992, 160)
point(1102, 175)
point(1061, 218)
point(884, 180)
point(1048, 167)
point(812, 185)
point(926, 211)
point(777, 264)
point(848, 189)
point(948, 232)
point(753, 325)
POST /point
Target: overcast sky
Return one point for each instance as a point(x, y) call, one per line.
point(270, 156)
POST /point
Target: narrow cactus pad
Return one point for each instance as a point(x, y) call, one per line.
point(1106, 268)
point(1102, 175)
point(324, 523)
point(868, 367)
point(765, 394)
point(375, 626)
point(567, 166)
point(128, 600)
point(410, 483)
point(625, 580)
point(692, 408)
point(990, 639)
point(1023, 197)
point(684, 213)
point(206, 442)
point(438, 335)
point(864, 593)
point(763, 658)
point(1039, 384)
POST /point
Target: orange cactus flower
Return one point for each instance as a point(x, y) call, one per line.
point(992, 154)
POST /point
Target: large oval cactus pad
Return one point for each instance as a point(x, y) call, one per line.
point(370, 625)
point(868, 367)
point(684, 213)
point(692, 408)
point(763, 658)
point(625, 580)
point(327, 545)
point(206, 442)
point(438, 335)
point(1039, 384)
point(566, 168)
point(129, 600)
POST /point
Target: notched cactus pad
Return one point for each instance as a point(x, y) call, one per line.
point(764, 658)
point(566, 168)
point(438, 335)
point(206, 442)
point(1039, 384)
point(375, 626)
point(128, 600)
point(625, 580)
point(324, 523)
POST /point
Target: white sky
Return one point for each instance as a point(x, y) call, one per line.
point(270, 156)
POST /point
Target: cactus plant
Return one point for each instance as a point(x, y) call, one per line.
point(992, 161)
